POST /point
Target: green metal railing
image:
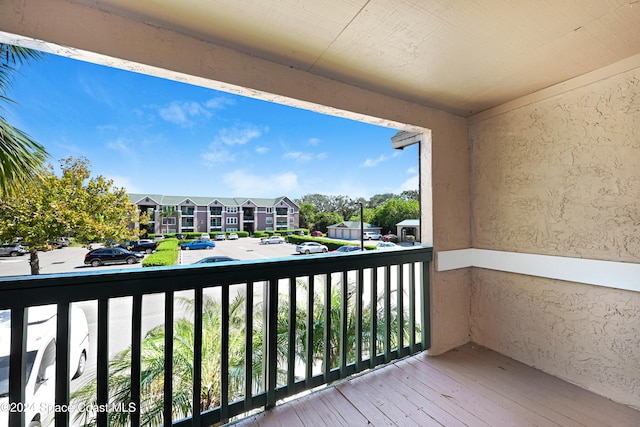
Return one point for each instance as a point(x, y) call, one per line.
point(306, 321)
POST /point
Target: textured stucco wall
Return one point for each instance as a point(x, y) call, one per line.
point(562, 177)
point(587, 335)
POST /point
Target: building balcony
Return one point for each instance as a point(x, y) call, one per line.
point(280, 328)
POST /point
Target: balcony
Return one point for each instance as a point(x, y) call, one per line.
point(372, 308)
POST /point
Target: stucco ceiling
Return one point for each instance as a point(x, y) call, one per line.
point(464, 56)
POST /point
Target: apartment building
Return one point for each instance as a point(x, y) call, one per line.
point(182, 214)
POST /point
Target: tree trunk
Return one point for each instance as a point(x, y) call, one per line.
point(34, 262)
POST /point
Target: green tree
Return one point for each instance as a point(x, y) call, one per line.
point(368, 215)
point(325, 219)
point(379, 199)
point(395, 210)
point(90, 209)
point(21, 158)
point(167, 212)
point(307, 215)
point(152, 352)
point(410, 195)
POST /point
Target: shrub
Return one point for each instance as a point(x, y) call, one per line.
point(166, 254)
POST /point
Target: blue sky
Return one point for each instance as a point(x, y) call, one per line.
point(158, 136)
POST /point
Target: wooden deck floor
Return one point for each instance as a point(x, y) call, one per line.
point(469, 386)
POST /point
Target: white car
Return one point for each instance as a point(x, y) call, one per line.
point(272, 240)
point(387, 245)
point(233, 236)
point(311, 248)
point(40, 359)
point(370, 235)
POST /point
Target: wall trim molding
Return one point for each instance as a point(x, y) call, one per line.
point(611, 274)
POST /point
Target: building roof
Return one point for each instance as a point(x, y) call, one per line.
point(353, 224)
point(409, 223)
point(165, 200)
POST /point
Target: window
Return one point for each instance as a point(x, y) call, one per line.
point(169, 221)
point(269, 220)
point(269, 210)
point(217, 210)
point(291, 210)
point(232, 209)
point(231, 229)
point(232, 220)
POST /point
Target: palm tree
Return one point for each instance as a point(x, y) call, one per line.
point(152, 353)
point(21, 158)
point(152, 368)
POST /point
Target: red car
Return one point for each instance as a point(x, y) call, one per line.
point(316, 233)
point(388, 237)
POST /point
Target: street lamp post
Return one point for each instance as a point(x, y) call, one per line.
point(361, 226)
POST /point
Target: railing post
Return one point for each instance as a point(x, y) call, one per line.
point(425, 308)
point(168, 358)
point(62, 363)
point(17, 364)
point(271, 313)
point(102, 361)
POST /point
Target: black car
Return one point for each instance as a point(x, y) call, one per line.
point(214, 259)
point(104, 256)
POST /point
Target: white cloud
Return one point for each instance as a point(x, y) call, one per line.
point(302, 156)
point(369, 163)
point(181, 113)
point(219, 103)
point(238, 136)
point(217, 155)
point(313, 141)
point(262, 150)
point(412, 183)
point(120, 145)
point(126, 183)
point(243, 183)
point(412, 171)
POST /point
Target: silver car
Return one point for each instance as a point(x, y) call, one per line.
point(12, 249)
point(311, 248)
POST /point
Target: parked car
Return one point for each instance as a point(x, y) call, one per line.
point(198, 244)
point(232, 236)
point(345, 249)
point(389, 237)
point(299, 233)
point(386, 245)
point(142, 245)
point(272, 240)
point(311, 248)
point(180, 236)
point(103, 256)
point(205, 236)
point(316, 233)
point(215, 259)
point(219, 236)
point(40, 360)
point(370, 235)
point(12, 249)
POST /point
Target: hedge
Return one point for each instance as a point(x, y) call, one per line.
point(166, 254)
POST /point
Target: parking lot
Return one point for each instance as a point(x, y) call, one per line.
point(71, 259)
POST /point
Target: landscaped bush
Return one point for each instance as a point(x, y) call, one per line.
point(259, 233)
point(239, 233)
point(166, 254)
